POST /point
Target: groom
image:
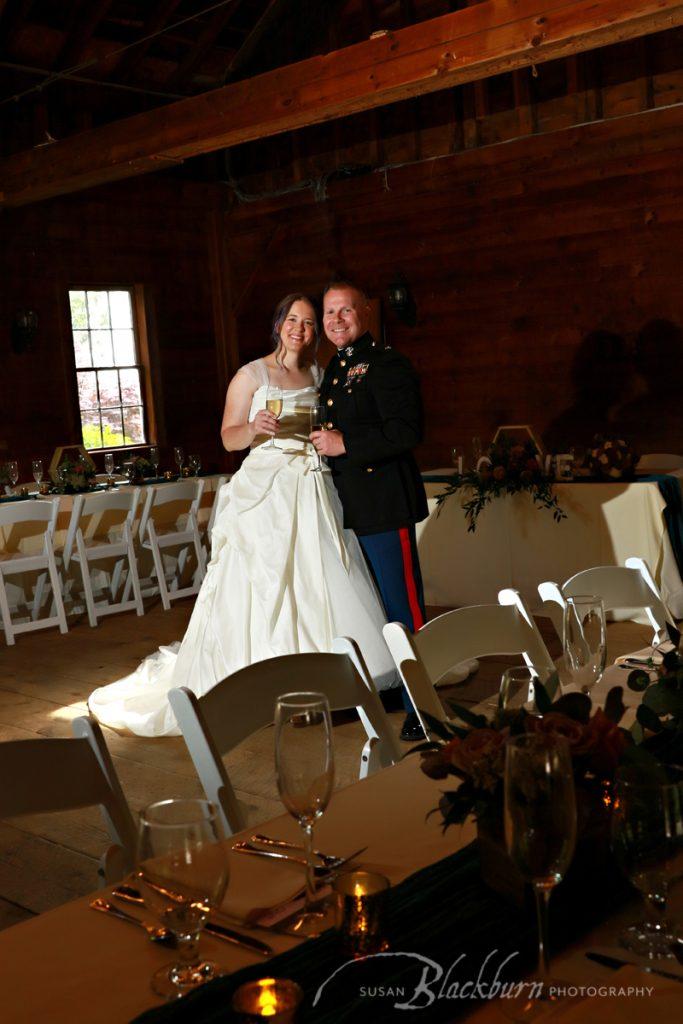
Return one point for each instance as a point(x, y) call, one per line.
point(374, 419)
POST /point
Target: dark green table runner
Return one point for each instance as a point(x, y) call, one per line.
point(442, 912)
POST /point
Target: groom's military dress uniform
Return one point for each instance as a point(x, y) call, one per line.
point(372, 396)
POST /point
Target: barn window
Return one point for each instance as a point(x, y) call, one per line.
point(109, 372)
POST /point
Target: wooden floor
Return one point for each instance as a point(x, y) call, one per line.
point(44, 683)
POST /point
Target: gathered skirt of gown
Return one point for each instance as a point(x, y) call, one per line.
point(284, 578)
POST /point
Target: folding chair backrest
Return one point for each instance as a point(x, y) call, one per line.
point(186, 494)
point(215, 723)
point(22, 519)
point(464, 634)
point(98, 514)
point(45, 775)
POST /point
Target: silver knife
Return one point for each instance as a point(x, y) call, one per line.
point(615, 962)
point(131, 895)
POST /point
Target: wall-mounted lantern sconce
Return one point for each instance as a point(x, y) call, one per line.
point(24, 330)
point(402, 301)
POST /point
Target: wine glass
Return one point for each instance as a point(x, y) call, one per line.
point(179, 456)
point(274, 406)
point(13, 474)
point(195, 462)
point(540, 834)
point(109, 468)
point(304, 766)
point(517, 689)
point(456, 459)
point(154, 458)
point(37, 470)
point(584, 640)
point(182, 871)
point(317, 415)
point(647, 838)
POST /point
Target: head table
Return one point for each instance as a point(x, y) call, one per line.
point(72, 963)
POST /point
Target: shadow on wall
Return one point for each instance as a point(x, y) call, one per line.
point(653, 421)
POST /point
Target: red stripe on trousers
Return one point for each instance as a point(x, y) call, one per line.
point(409, 578)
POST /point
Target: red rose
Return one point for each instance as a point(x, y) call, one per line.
point(605, 743)
point(480, 755)
point(517, 451)
point(557, 724)
point(499, 473)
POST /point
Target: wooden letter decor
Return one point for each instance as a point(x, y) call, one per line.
point(471, 44)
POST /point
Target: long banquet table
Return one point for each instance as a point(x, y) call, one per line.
point(518, 545)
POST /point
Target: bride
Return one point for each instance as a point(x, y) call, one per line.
point(284, 575)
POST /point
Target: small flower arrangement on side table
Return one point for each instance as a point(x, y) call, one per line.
point(513, 467)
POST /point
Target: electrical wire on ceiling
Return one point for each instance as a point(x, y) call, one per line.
point(58, 76)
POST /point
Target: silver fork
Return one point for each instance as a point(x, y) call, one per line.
point(327, 859)
point(319, 870)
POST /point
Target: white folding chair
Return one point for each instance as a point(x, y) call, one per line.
point(661, 461)
point(169, 520)
point(461, 635)
point(32, 522)
point(45, 775)
point(630, 586)
point(108, 520)
point(214, 509)
point(244, 702)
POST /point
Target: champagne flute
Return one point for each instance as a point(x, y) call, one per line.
point(154, 459)
point(584, 640)
point(274, 406)
point(317, 415)
point(179, 456)
point(456, 459)
point(517, 689)
point(37, 470)
point(304, 766)
point(182, 871)
point(647, 838)
point(540, 834)
point(13, 473)
point(195, 464)
point(109, 468)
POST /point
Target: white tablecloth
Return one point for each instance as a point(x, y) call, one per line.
point(518, 545)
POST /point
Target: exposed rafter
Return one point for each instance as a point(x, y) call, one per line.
point(493, 37)
point(87, 16)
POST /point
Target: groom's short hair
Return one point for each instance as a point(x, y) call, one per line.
point(343, 282)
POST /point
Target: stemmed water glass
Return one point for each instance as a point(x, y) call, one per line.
point(647, 837)
point(540, 834)
point(317, 416)
point(195, 462)
point(13, 473)
point(183, 872)
point(37, 470)
point(109, 468)
point(154, 459)
point(304, 766)
point(179, 456)
point(274, 406)
point(584, 640)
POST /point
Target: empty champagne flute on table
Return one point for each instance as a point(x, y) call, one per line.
point(37, 470)
point(584, 641)
point(179, 456)
point(517, 690)
point(154, 459)
point(540, 835)
point(317, 416)
point(304, 766)
point(195, 463)
point(109, 468)
point(182, 872)
point(647, 838)
point(13, 473)
point(274, 406)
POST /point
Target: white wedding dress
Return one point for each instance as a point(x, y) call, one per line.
point(284, 578)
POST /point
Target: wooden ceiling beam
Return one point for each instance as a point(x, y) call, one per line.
point(207, 37)
point(87, 17)
point(490, 38)
point(158, 18)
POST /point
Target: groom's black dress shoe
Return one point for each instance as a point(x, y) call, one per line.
point(412, 731)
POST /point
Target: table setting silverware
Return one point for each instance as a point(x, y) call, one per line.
point(129, 894)
point(329, 860)
point(156, 933)
point(615, 962)
point(320, 871)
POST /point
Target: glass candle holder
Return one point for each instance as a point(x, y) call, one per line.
point(273, 999)
point(360, 898)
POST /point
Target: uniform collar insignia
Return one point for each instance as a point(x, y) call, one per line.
point(348, 351)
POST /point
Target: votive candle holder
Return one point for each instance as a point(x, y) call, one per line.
point(275, 1000)
point(360, 900)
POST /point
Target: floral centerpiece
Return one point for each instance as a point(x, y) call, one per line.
point(140, 468)
point(74, 475)
point(512, 467)
point(660, 713)
point(611, 459)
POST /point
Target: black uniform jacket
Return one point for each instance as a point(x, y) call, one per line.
point(372, 396)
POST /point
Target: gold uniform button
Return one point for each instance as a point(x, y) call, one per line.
point(342, 362)
point(330, 401)
point(336, 380)
point(370, 469)
point(329, 425)
point(349, 391)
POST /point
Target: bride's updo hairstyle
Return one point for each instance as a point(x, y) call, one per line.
point(280, 315)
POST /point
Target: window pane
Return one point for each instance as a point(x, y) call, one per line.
point(87, 390)
point(124, 348)
point(82, 348)
point(98, 310)
point(79, 313)
point(109, 388)
point(101, 348)
point(130, 387)
point(134, 425)
point(90, 421)
point(112, 428)
point(121, 310)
